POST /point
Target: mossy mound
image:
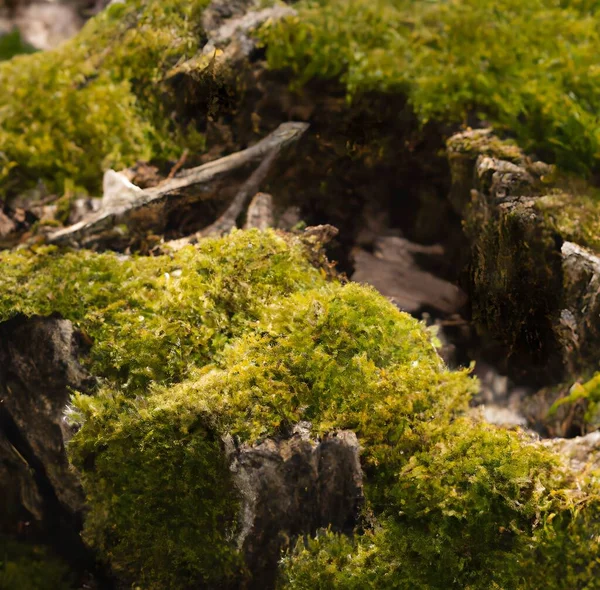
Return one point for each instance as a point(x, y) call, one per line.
point(477, 508)
point(340, 357)
point(93, 102)
point(529, 67)
point(150, 318)
point(241, 338)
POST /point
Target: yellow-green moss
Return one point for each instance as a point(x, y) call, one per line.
point(337, 356)
point(530, 67)
point(477, 508)
point(575, 216)
point(150, 318)
point(241, 337)
point(94, 102)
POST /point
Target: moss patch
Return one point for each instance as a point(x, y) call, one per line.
point(151, 318)
point(93, 102)
point(31, 567)
point(477, 508)
point(529, 67)
point(575, 216)
point(337, 356)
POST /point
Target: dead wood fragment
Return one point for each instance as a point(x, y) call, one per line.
point(148, 206)
point(260, 212)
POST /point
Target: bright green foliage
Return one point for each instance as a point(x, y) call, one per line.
point(530, 67)
point(26, 567)
point(477, 508)
point(93, 102)
point(152, 318)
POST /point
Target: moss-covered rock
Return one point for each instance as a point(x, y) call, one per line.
point(233, 343)
point(109, 107)
point(340, 357)
point(480, 508)
point(151, 317)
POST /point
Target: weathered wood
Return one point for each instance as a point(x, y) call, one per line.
point(122, 212)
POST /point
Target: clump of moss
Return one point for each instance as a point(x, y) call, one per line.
point(574, 215)
point(478, 507)
point(239, 339)
point(529, 67)
point(31, 567)
point(337, 356)
point(150, 318)
point(93, 103)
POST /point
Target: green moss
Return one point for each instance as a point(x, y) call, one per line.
point(29, 567)
point(574, 215)
point(338, 356)
point(12, 44)
point(151, 318)
point(244, 342)
point(93, 102)
point(525, 66)
point(589, 392)
point(477, 508)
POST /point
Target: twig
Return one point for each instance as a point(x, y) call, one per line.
point(179, 164)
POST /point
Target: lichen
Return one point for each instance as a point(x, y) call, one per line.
point(93, 102)
point(528, 67)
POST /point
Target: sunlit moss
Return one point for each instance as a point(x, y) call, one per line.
point(239, 339)
point(94, 102)
point(152, 317)
point(529, 67)
point(478, 508)
point(337, 356)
